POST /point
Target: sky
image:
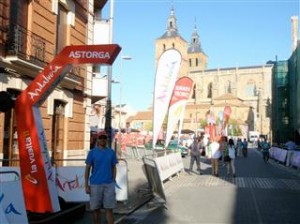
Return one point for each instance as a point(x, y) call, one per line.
point(232, 33)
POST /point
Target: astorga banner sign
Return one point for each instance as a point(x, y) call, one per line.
point(37, 174)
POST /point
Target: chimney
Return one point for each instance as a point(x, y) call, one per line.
point(295, 32)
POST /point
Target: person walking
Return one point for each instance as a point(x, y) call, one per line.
point(214, 149)
point(230, 155)
point(245, 148)
point(265, 146)
point(195, 155)
point(100, 185)
point(239, 146)
point(223, 146)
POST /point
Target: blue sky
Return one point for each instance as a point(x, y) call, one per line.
point(232, 33)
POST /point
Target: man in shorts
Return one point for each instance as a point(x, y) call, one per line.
point(102, 161)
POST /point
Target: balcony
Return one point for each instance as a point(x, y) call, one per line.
point(74, 79)
point(25, 53)
point(99, 4)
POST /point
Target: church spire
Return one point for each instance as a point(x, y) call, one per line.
point(195, 46)
point(172, 29)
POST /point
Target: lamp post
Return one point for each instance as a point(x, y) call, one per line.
point(121, 83)
point(119, 151)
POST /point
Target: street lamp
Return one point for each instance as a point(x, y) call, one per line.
point(121, 83)
point(120, 112)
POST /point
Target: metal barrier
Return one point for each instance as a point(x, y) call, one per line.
point(11, 198)
point(122, 181)
point(160, 168)
point(70, 180)
point(153, 177)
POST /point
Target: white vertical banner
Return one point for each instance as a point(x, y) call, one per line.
point(178, 101)
point(166, 74)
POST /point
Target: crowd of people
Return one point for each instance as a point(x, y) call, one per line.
point(219, 149)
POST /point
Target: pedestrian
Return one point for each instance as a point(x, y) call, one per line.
point(239, 146)
point(205, 143)
point(245, 148)
point(230, 157)
point(223, 145)
point(100, 185)
point(265, 146)
point(195, 155)
point(214, 151)
point(291, 146)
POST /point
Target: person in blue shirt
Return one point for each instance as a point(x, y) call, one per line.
point(265, 146)
point(245, 148)
point(100, 179)
point(290, 144)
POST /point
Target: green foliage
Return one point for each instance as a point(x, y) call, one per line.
point(235, 130)
point(203, 123)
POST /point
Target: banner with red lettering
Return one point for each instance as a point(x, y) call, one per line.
point(37, 175)
point(166, 74)
point(178, 101)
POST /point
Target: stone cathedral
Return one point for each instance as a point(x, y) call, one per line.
point(246, 90)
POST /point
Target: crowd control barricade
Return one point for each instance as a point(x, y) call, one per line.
point(162, 168)
point(153, 177)
point(290, 158)
point(122, 181)
point(278, 154)
point(11, 197)
point(295, 159)
point(70, 181)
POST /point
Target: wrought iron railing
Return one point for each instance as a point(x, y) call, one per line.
point(75, 74)
point(30, 47)
point(26, 45)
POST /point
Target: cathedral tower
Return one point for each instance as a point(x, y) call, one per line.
point(171, 39)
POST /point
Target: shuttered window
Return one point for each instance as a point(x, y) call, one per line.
point(61, 40)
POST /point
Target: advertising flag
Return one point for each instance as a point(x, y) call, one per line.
point(166, 74)
point(178, 101)
point(226, 116)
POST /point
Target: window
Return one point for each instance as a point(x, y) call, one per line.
point(164, 47)
point(62, 25)
point(194, 92)
point(173, 45)
point(209, 90)
point(19, 12)
point(250, 88)
point(228, 87)
point(10, 137)
point(196, 61)
point(190, 62)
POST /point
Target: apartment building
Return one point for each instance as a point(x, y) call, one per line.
point(32, 33)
